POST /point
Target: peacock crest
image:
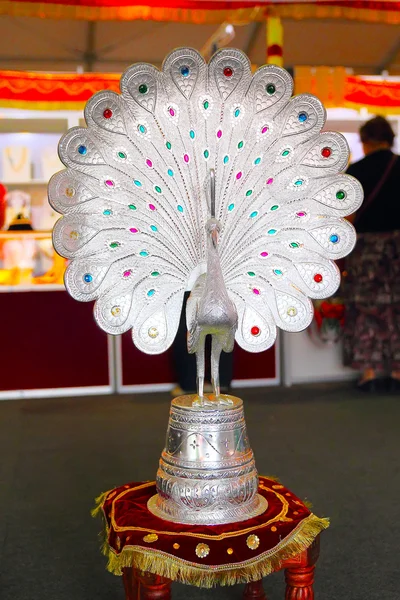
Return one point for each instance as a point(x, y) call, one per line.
point(135, 208)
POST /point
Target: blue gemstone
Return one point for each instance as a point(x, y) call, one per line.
point(334, 238)
point(170, 172)
point(87, 278)
point(153, 228)
point(82, 150)
point(180, 208)
point(299, 182)
point(257, 161)
point(231, 207)
point(185, 71)
point(143, 253)
point(151, 293)
point(272, 231)
point(192, 134)
point(277, 272)
point(303, 117)
point(137, 183)
point(107, 212)
point(253, 214)
point(226, 159)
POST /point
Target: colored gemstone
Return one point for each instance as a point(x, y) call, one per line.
point(70, 192)
point(152, 207)
point(151, 293)
point(326, 152)
point(122, 155)
point(237, 112)
point(249, 192)
point(271, 231)
point(87, 278)
point(219, 134)
point(180, 208)
point(301, 214)
point(334, 238)
point(255, 331)
point(143, 89)
point(137, 183)
point(185, 71)
point(256, 291)
point(299, 182)
point(186, 158)
point(238, 175)
point(107, 212)
point(107, 114)
point(192, 134)
point(153, 332)
point(206, 104)
point(240, 145)
point(206, 153)
point(269, 181)
point(153, 228)
point(253, 214)
point(275, 207)
point(149, 163)
point(291, 311)
point(170, 172)
point(115, 311)
point(114, 244)
point(303, 116)
point(264, 254)
point(74, 235)
point(257, 161)
point(228, 71)
point(158, 189)
point(340, 195)
point(143, 253)
point(168, 144)
point(142, 128)
point(109, 183)
point(251, 273)
point(286, 153)
point(318, 277)
point(82, 149)
point(270, 89)
point(294, 245)
point(265, 129)
point(231, 207)
point(226, 159)
point(278, 272)
point(155, 274)
point(127, 273)
point(171, 111)
point(132, 206)
point(133, 230)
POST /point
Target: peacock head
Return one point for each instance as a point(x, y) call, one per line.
point(213, 228)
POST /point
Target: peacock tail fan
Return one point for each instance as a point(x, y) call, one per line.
point(135, 209)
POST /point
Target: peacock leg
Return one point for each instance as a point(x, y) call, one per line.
point(216, 350)
point(200, 362)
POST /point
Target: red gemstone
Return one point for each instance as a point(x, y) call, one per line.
point(255, 330)
point(228, 72)
point(326, 152)
point(107, 114)
point(318, 277)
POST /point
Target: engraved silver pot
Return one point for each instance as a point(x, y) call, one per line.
point(207, 473)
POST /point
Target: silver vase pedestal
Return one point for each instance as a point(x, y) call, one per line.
point(207, 473)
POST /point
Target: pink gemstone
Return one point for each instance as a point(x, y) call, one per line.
point(152, 207)
point(109, 182)
point(171, 111)
point(256, 291)
point(127, 273)
point(238, 175)
point(301, 214)
point(219, 134)
point(133, 230)
point(186, 158)
point(269, 181)
point(265, 129)
point(149, 163)
point(264, 254)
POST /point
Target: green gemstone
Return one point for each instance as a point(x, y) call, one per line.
point(275, 207)
point(143, 89)
point(249, 192)
point(206, 104)
point(240, 145)
point(121, 154)
point(270, 89)
point(192, 134)
point(294, 245)
point(251, 273)
point(114, 244)
point(340, 195)
point(132, 206)
point(286, 153)
point(206, 153)
point(158, 189)
point(168, 144)
point(155, 274)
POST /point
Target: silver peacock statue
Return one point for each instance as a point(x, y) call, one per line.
point(204, 177)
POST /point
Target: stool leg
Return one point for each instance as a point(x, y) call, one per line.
point(299, 583)
point(254, 591)
point(131, 584)
point(154, 587)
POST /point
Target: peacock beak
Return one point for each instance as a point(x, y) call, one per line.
point(214, 237)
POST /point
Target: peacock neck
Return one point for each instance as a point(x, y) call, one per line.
point(214, 276)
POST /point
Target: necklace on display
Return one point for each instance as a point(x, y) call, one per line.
point(17, 163)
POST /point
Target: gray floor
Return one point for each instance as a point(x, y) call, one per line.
point(330, 444)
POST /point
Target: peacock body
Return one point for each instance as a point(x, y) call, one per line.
point(135, 208)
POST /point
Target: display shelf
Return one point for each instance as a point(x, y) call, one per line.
point(27, 183)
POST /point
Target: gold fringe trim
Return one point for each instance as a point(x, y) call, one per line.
point(99, 502)
point(176, 569)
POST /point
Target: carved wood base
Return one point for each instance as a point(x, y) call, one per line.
point(299, 583)
point(254, 591)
